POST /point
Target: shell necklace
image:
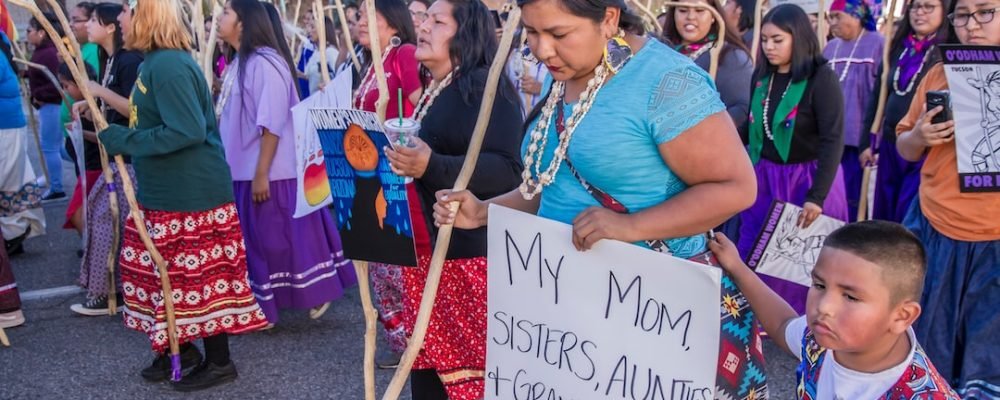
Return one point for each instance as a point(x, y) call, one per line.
point(530, 187)
point(431, 94)
point(369, 81)
point(914, 79)
point(850, 57)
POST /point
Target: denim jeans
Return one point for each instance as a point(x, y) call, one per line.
point(52, 138)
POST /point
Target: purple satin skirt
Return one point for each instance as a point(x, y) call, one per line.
point(292, 262)
point(896, 184)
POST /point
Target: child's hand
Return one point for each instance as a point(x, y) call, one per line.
point(725, 251)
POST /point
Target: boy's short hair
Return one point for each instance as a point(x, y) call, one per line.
point(65, 74)
point(890, 246)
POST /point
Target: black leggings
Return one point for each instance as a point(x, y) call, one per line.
point(217, 349)
point(426, 385)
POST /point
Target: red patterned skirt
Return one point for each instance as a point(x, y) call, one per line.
point(208, 273)
point(455, 345)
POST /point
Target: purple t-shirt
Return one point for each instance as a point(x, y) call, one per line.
point(263, 100)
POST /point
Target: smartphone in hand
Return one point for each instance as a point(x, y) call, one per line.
point(937, 98)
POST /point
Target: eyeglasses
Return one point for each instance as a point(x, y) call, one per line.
point(923, 8)
point(981, 17)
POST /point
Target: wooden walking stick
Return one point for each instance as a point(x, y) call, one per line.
point(361, 268)
point(379, 69)
point(321, 33)
point(720, 35)
point(758, 15)
point(863, 200)
point(650, 15)
point(3, 338)
point(444, 232)
point(884, 84)
point(346, 30)
point(32, 120)
point(100, 123)
point(821, 29)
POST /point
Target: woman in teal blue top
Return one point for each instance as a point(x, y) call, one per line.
point(633, 126)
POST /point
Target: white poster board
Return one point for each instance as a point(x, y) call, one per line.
point(313, 184)
point(618, 321)
point(785, 250)
point(974, 88)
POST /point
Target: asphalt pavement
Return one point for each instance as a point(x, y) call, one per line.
point(59, 354)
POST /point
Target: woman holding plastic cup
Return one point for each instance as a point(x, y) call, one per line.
point(456, 44)
point(394, 28)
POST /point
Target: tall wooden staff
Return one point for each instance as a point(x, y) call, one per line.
point(32, 121)
point(3, 339)
point(650, 16)
point(346, 30)
point(209, 46)
point(361, 268)
point(100, 123)
point(720, 35)
point(880, 110)
point(822, 30)
point(758, 13)
point(444, 233)
point(321, 32)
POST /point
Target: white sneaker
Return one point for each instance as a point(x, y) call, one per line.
point(11, 319)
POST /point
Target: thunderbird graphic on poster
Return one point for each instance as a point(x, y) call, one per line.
point(369, 200)
point(974, 82)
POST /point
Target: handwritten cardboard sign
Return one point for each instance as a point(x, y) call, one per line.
point(973, 74)
point(369, 200)
point(618, 321)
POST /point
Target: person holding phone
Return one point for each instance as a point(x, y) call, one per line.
point(913, 51)
point(960, 231)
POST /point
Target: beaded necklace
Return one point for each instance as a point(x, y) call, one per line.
point(767, 107)
point(431, 94)
point(850, 57)
point(531, 187)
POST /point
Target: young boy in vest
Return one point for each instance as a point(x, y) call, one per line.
point(855, 341)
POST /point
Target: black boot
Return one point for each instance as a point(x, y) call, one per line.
point(159, 370)
point(205, 376)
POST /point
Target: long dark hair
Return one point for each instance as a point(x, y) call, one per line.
point(749, 8)
point(107, 14)
point(397, 16)
point(53, 20)
point(594, 11)
point(87, 7)
point(473, 48)
point(733, 39)
point(259, 32)
point(806, 54)
point(944, 33)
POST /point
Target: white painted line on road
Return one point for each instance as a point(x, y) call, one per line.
point(42, 294)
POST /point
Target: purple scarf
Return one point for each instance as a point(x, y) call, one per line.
point(912, 57)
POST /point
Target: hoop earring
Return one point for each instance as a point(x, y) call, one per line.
point(617, 52)
point(395, 41)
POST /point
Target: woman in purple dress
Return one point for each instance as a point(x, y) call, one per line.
point(292, 262)
point(856, 56)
